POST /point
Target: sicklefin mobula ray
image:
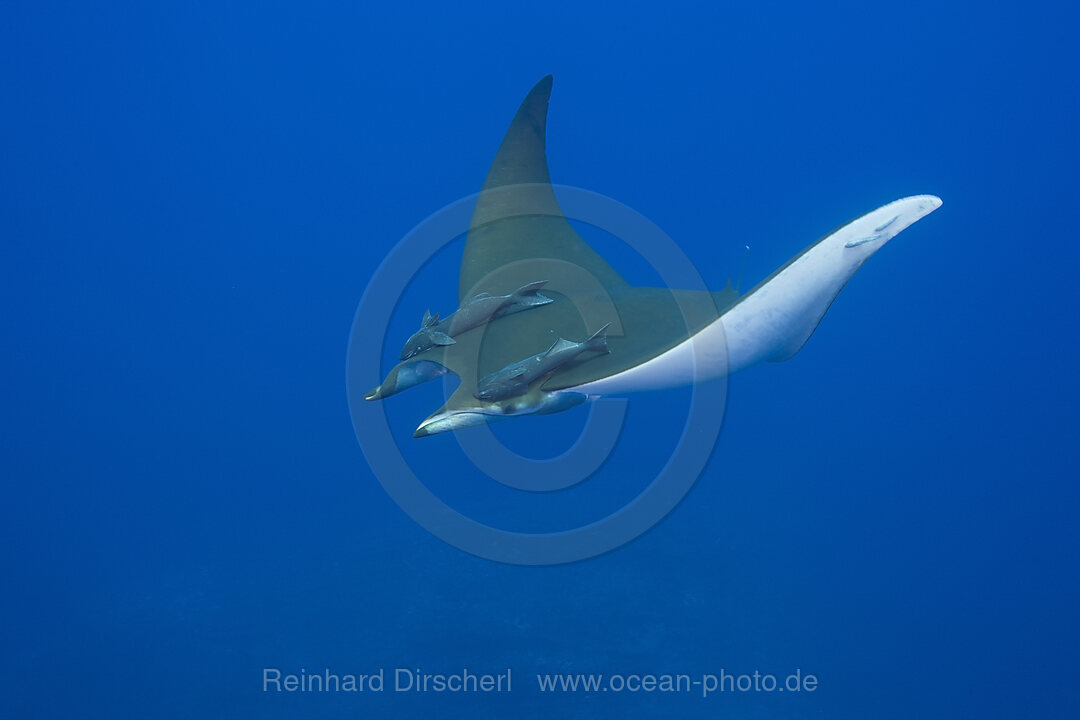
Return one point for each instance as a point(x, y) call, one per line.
point(519, 352)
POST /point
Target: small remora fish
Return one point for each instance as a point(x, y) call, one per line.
point(514, 379)
point(474, 312)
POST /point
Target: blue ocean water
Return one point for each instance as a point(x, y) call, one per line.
point(193, 198)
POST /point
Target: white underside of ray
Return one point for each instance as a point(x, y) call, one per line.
point(774, 321)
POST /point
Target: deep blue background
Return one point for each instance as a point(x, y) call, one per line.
point(192, 199)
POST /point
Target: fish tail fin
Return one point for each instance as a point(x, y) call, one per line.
point(440, 338)
point(598, 341)
point(529, 296)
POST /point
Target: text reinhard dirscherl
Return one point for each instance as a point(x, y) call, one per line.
point(401, 680)
point(414, 680)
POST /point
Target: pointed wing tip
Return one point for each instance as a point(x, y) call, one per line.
point(541, 91)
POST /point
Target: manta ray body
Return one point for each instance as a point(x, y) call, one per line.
point(656, 337)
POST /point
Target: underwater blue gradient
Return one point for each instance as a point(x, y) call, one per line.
point(193, 197)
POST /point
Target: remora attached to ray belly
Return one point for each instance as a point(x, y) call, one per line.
point(658, 337)
point(474, 312)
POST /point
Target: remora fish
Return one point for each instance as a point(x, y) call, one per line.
point(474, 312)
point(514, 379)
point(660, 337)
